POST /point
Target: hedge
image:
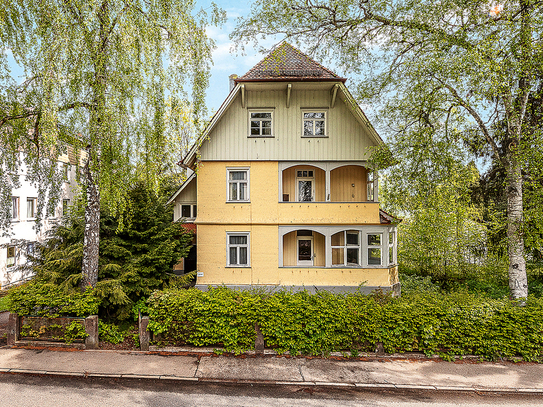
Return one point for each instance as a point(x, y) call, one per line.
point(39, 299)
point(301, 323)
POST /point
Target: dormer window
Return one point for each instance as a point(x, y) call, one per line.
point(314, 123)
point(261, 123)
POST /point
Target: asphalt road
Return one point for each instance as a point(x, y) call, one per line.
point(45, 391)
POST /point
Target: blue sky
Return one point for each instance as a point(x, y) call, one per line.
point(225, 62)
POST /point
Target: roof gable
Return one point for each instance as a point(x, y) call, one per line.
point(288, 63)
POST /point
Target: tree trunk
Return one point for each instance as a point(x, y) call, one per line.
point(91, 237)
point(518, 282)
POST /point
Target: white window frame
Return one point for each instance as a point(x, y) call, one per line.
point(347, 246)
point(14, 257)
point(366, 247)
point(302, 178)
point(192, 210)
point(229, 246)
point(15, 208)
point(229, 182)
point(305, 263)
point(369, 184)
point(392, 247)
point(250, 119)
point(34, 202)
point(325, 119)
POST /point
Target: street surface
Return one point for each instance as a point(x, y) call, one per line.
point(47, 391)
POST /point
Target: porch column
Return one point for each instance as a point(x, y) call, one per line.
point(375, 186)
point(281, 241)
point(327, 182)
point(328, 248)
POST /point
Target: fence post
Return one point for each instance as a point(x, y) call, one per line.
point(91, 328)
point(13, 328)
point(143, 332)
point(259, 341)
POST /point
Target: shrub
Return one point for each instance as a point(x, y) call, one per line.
point(37, 298)
point(433, 323)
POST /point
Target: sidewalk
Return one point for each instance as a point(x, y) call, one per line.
point(271, 369)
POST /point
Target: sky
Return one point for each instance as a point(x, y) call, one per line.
point(226, 63)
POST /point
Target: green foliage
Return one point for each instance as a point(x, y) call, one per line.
point(67, 333)
point(38, 298)
point(74, 331)
point(110, 333)
point(416, 283)
point(300, 323)
point(4, 303)
point(133, 262)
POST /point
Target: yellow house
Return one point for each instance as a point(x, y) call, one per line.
point(280, 188)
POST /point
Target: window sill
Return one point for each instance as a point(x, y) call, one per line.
point(238, 202)
point(238, 267)
point(272, 136)
point(305, 136)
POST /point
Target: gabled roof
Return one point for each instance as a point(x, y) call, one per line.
point(286, 63)
point(185, 184)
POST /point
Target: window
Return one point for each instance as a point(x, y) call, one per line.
point(66, 172)
point(11, 256)
point(391, 246)
point(188, 211)
point(31, 207)
point(305, 182)
point(14, 207)
point(314, 123)
point(375, 249)
point(238, 185)
point(65, 206)
point(185, 211)
point(30, 252)
point(346, 248)
point(260, 124)
point(237, 250)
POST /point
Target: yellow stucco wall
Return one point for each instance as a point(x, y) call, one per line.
point(261, 218)
point(264, 206)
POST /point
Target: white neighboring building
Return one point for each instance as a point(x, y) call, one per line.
point(24, 206)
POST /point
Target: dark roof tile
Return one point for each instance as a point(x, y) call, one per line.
point(288, 63)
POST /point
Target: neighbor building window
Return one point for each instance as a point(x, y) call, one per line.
point(66, 172)
point(238, 185)
point(375, 249)
point(65, 206)
point(14, 207)
point(11, 256)
point(31, 207)
point(237, 249)
point(314, 123)
point(261, 124)
point(346, 248)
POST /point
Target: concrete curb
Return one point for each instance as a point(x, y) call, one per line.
point(193, 380)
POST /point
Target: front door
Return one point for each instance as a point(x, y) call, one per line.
point(305, 251)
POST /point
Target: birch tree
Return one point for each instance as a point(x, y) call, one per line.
point(90, 67)
point(465, 67)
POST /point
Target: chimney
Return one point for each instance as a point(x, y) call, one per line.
point(232, 79)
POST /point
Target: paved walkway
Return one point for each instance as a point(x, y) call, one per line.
point(272, 369)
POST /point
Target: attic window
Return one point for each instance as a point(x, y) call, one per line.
point(260, 124)
point(314, 123)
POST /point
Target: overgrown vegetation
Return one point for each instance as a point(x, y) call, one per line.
point(135, 260)
point(300, 323)
point(4, 303)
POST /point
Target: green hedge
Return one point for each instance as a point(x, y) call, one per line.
point(37, 298)
point(301, 323)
